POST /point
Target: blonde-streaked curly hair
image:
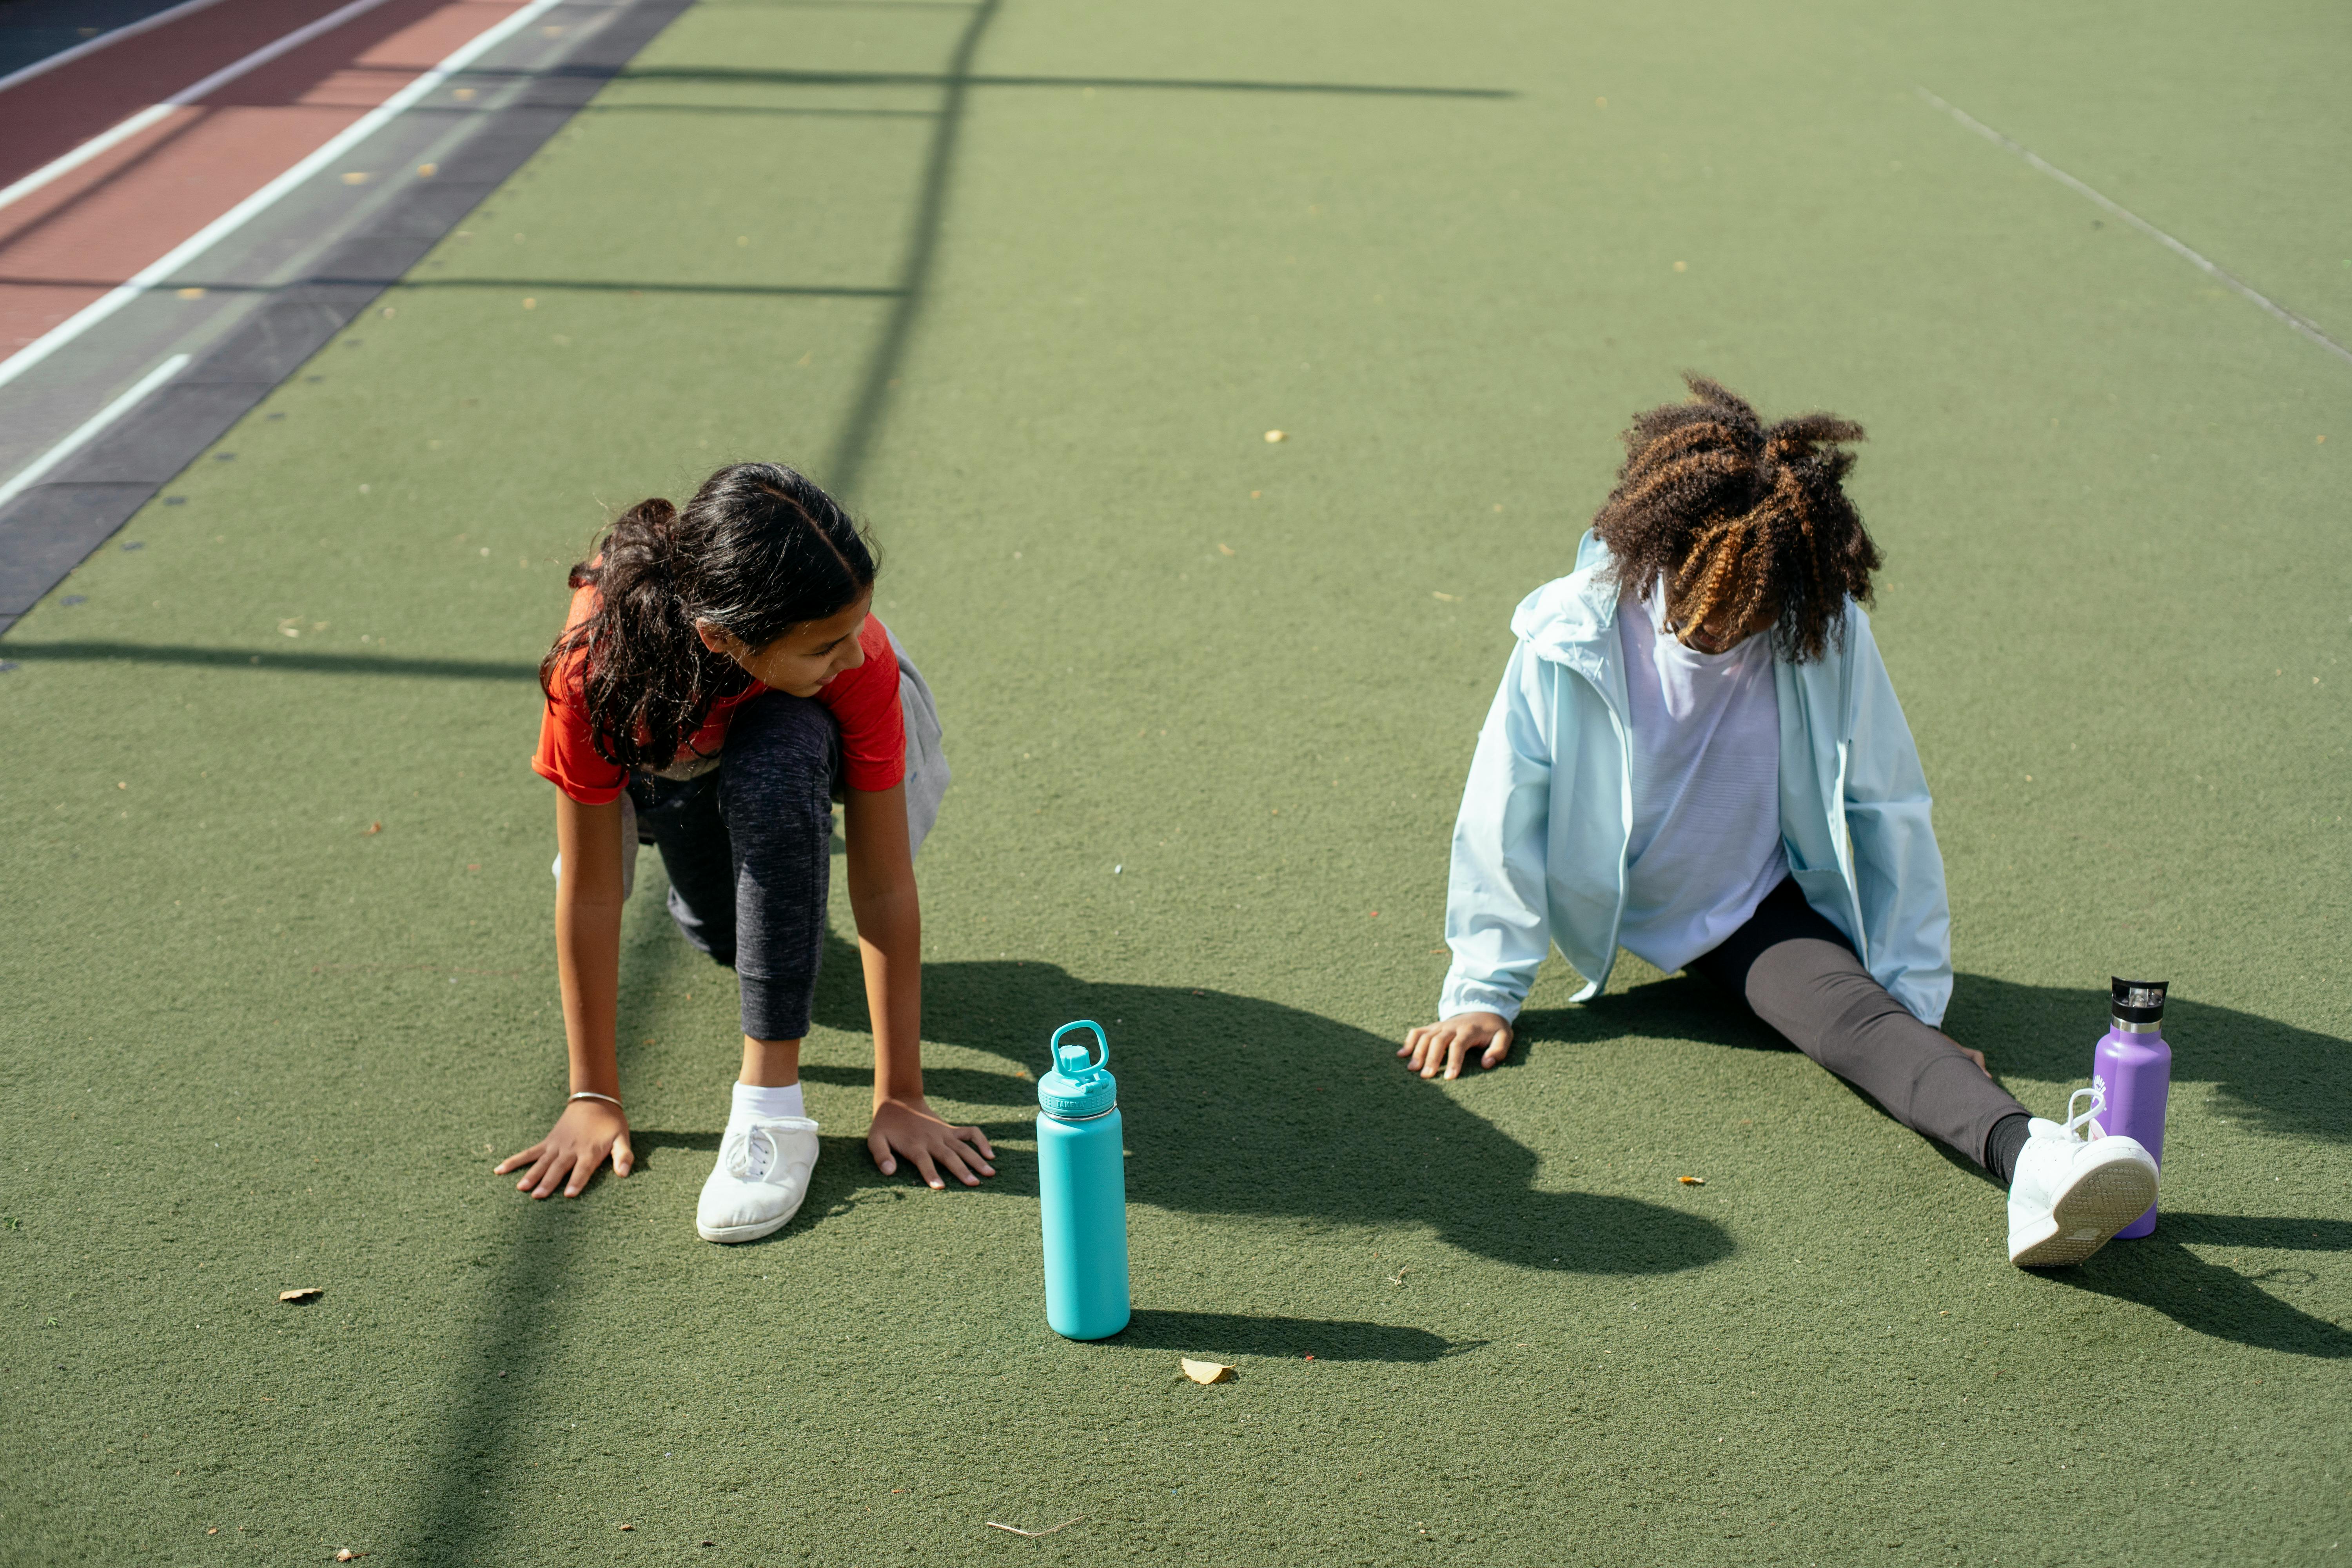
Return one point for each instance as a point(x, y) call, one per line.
point(1740, 520)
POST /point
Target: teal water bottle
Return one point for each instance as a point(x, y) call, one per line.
point(1082, 1190)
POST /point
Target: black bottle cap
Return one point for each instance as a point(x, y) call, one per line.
point(2139, 1001)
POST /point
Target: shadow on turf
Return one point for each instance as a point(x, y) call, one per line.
point(2284, 1080)
point(490, 1407)
point(1202, 1334)
point(959, 77)
point(2161, 1273)
point(862, 424)
point(272, 660)
point(2294, 1082)
point(1236, 1105)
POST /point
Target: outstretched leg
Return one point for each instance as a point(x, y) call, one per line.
point(1798, 973)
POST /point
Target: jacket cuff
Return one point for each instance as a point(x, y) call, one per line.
point(1470, 997)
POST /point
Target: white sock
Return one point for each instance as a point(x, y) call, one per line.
point(766, 1103)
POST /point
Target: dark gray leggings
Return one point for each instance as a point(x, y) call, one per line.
point(749, 849)
point(1798, 973)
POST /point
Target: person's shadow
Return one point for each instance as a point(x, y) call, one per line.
point(2289, 1082)
point(1240, 1106)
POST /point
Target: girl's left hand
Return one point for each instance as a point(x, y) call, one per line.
point(910, 1129)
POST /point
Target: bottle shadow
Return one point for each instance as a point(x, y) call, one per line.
point(1207, 1335)
point(1240, 1106)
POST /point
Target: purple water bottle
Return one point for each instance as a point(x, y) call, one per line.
point(2133, 1067)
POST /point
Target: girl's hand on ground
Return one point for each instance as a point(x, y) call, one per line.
point(910, 1129)
point(1446, 1045)
point(583, 1137)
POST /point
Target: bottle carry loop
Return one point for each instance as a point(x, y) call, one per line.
point(1087, 1062)
point(1078, 1086)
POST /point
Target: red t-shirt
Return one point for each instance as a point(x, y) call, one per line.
point(864, 702)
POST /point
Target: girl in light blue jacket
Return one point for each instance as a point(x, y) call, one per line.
point(1696, 754)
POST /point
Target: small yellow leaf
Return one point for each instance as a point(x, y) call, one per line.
point(308, 1293)
point(1449, 598)
point(1274, 435)
point(1225, 549)
point(1692, 1181)
point(1205, 1370)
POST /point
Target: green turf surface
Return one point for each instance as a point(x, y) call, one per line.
point(1035, 325)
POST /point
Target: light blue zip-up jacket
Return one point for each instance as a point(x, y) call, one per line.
point(1540, 846)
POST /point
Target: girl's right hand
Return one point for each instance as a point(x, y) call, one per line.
point(583, 1137)
point(1436, 1046)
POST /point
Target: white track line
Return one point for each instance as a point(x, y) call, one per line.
point(204, 239)
point(86, 151)
point(2308, 328)
point(90, 46)
point(186, 95)
point(33, 473)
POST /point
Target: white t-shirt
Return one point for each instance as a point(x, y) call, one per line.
point(1705, 846)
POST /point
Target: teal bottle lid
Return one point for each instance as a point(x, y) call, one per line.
point(1078, 1085)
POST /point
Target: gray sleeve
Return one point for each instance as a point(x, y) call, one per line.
point(926, 764)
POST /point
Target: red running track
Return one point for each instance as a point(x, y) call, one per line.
point(66, 244)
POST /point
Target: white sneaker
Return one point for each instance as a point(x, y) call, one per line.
point(760, 1178)
point(2074, 1186)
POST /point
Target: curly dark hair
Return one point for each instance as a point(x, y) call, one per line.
point(760, 550)
point(1741, 519)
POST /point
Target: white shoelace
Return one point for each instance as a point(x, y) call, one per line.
point(2073, 1123)
point(751, 1155)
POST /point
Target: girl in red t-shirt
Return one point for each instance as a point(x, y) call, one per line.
point(722, 680)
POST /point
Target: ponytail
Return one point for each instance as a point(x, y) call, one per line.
point(758, 551)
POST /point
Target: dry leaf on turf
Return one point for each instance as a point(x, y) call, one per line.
point(1274, 435)
point(373, 828)
point(1692, 1181)
point(1225, 549)
point(306, 1293)
point(1205, 1370)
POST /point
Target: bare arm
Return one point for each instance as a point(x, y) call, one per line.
point(588, 939)
point(588, 963)
point(889, 916)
